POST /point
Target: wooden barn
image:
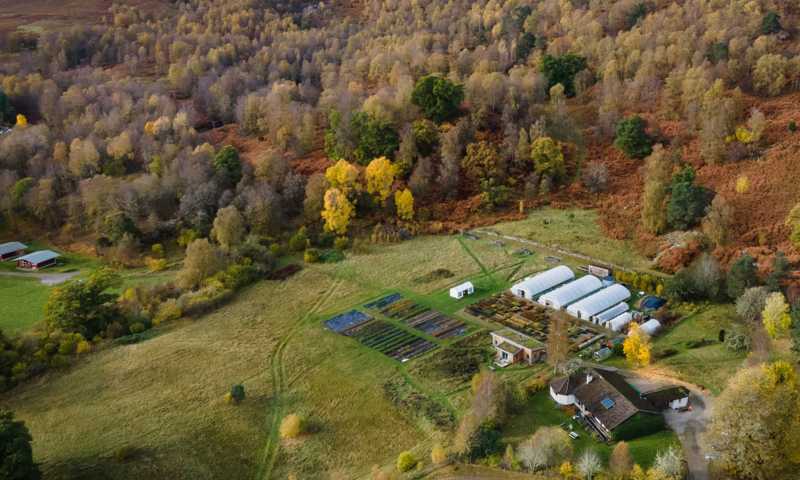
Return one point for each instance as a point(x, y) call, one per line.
point(37, 260)
point(11, 250)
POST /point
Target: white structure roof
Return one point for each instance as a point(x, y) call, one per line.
point(456, 291)
point(566, 294)
point(618, 323)
point(11, 247)
point(532, 286)
point(651, 326)
point(40, 256)
point(612, 312)
point(596, 303)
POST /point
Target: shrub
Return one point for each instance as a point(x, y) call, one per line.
point(792, 126)
point(406, 461)
point(341, 243)
point(291, 426)
point(137, 327)
point(237, 393)
point(155, 264)
point(438, 454)
point(632, 138)
point(771, 23)
point(169, 310)
point(311, 255)
point(299, 241)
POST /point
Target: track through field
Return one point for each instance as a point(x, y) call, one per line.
point(277, 368)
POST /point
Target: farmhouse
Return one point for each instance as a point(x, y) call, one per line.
point(598, 302)
point(512, 346)
point(461, 291)
point(566, 294)
point(37, 260)
point(11, 250)
point(610, 405)
point(530, 287)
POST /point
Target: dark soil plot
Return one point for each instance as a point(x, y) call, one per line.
point(390, 340)
point(346, 321)
point(384, 302)
point(403, 309)
point(437, 324)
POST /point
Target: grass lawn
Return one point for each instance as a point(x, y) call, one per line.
point(710, 366)
point(21, 303)
point(576, 230)
point(543, 411)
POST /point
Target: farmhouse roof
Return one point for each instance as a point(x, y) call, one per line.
point(608, 396)
point(11, 247)
point(661, 398)
point(39, 257)
point(509, 348)
point(462, 286)
point(515, 337)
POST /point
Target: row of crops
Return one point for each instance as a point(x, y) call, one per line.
point(418, 317)
point(390, 340)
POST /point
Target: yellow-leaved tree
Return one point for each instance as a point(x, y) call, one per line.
point(22, 120)
point(343, 176)
point(637, 346)
point(337, 211)
point(404, 200)
point(380, 174)
point(776, 315)
point(742, 184)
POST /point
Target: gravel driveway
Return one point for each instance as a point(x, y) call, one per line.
point(48, 279)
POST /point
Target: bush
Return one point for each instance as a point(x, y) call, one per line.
point(299, 241)
point(341, 243)
point(792, 126)
point(237, 393)
point(311, 255)
point(155, 264)
point(137, 327)
point(406, 461)
point(291, 426)
point(631, 137)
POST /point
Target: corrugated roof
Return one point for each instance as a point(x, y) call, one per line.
point(544, 281)
point(11, 247)
point(40, 256)
point(602, 300)
point(572, 291)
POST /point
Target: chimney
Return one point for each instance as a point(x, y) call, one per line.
point(589, 377)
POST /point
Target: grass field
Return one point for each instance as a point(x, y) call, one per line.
point(164, 397)
point(21, 303)
point(576, 230)
point(542, 411)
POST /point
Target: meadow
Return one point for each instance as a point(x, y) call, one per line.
point(157, 409)
point(576, 230)
point(21, 303)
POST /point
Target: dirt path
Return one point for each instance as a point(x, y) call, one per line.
point(280, 386)
point(48, 279)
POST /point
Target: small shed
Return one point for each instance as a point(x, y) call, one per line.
point(11, 250)
point(651, 327)
point(461, 291)
point(37, 260)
